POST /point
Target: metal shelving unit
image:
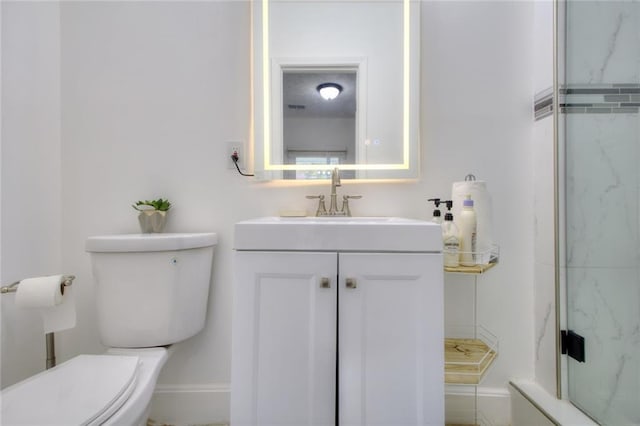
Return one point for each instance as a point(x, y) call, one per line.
point(470, 350)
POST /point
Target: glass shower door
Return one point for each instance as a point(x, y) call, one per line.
point(602, 166)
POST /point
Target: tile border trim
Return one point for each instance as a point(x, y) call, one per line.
point(589, 99)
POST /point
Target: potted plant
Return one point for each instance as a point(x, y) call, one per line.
point(153, 214)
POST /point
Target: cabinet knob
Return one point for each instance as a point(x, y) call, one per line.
point(351, 283)
point(325, 282)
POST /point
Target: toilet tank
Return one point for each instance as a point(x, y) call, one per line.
point(151, 289)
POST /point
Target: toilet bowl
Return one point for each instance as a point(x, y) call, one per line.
point(151, 292)
point(111, 389)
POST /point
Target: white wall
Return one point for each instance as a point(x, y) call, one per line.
point(151, 93)
point(31, 209)
point(331, 133)
point(477, 118)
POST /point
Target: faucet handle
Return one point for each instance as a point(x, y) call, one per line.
point(322, 210)
point(345, 203)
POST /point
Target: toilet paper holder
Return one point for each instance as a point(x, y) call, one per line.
point(67, 280)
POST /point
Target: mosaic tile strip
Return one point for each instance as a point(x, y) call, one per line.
point(543, 104)
point(590, 99)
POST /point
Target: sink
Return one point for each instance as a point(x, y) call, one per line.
point(333, 219)
point(392, 234)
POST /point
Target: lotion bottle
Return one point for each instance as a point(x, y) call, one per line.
point(467, 223)
point(450, 239)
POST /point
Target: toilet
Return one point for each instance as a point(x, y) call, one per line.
point(151, 292)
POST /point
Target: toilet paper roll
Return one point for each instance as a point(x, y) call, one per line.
point(62, 316)
point(40, 292)
point(45, 294)
point(482, 206)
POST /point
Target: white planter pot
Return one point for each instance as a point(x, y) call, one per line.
point(152, 221)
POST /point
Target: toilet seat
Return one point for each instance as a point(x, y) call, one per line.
point(85, 390)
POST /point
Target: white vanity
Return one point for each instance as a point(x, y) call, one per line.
point(337, 321)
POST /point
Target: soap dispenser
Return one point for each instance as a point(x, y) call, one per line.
point(437, 215)
point(450, 239)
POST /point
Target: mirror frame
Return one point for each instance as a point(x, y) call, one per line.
point(263, 67)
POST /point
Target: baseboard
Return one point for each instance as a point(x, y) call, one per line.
point(182, 405)
point(477, 405)
point(191, 404)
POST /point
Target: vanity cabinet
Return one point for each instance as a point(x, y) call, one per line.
point(331, 337)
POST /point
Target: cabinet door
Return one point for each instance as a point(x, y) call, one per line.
point(391, 334)
point(284, 339)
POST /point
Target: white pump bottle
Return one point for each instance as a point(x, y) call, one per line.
point(450, 239)
point(467, 223)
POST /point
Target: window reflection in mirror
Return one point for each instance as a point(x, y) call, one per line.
point(310, 121)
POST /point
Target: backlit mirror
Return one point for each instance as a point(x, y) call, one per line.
point(366, 52)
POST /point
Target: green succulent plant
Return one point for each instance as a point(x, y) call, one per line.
point(159, 204)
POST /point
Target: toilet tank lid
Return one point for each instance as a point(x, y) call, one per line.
point(150, 242)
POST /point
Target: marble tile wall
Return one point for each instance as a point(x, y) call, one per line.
point(602, 40)
point(602, 207)
point(601, 129)
point(602, 249)
point(544, 273)
point(603, 254)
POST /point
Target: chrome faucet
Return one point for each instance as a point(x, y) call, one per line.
point(333, 203)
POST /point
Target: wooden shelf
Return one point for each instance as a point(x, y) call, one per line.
point(466, 360)
point(475, 269)
point(486, 260)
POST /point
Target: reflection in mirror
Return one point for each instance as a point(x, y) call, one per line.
point(374, 42)
point(318, 130)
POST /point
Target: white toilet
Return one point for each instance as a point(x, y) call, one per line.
point(151, 292)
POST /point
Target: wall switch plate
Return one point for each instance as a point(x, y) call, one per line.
point(237, 147)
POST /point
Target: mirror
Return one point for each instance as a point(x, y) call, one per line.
point(368, 49)
point(319, 128)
